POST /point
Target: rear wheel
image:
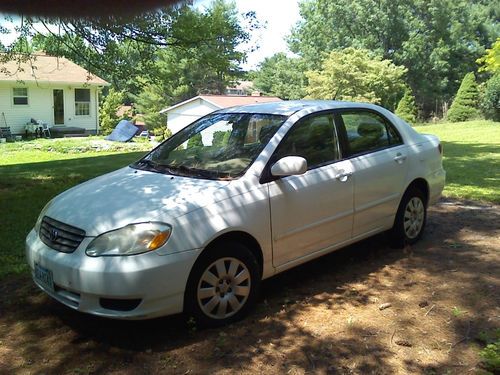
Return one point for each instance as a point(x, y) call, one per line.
point(223, 285)
point(410, 218)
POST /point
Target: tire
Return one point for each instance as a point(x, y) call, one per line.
point(410, 219)
point(223, 285)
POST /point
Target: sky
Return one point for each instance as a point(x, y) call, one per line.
point(276, 16)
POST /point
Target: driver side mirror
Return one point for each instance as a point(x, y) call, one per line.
point(289, 166)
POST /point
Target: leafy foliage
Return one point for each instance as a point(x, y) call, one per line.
point(490, 98)
point(464, 107)
point(437, 40)
point(491, 60)
point(355, 74)
point(195, 141)
point(107, 116)
point(149, 103)
point(407, 109)
point(221, 138)
point(120, 49)
point(281, 76)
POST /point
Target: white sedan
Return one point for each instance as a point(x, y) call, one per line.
point(234, 198)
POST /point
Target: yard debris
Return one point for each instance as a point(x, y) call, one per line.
point(385, 306)
point(402, 342)
point(428, 311)
point(423, 304)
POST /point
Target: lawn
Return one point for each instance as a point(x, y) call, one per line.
point(471, 158)
point(31, 173)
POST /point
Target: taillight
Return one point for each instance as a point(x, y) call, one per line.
point(440, 148)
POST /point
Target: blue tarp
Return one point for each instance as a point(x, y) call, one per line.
point(123, 132)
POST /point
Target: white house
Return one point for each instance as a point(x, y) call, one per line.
point(184, 113)
point(51, 89)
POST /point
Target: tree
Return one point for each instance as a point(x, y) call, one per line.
point(438, 41)
point(406, 107)
point(491, 60)
point(149, 103)
point(355, 74)
point(281, 76)
point(195, 141)
point(464, 106)
point(107, 116)
point(490, 98)
point(120, 48)
point(221, 138)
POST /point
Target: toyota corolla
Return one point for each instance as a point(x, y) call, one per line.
point(234, 198)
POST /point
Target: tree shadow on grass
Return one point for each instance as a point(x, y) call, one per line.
point(321, 317)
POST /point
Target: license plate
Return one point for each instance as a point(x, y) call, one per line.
point(44, 277)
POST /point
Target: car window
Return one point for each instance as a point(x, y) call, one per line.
point(314, 139)
point(367, 131)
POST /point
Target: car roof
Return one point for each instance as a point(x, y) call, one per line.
point(289, 107)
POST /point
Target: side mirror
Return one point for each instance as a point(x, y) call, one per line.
point(289, 166)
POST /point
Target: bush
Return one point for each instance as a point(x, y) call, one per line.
point(195, 141)
point(490, 98)
point(406, 107)
point(491, 353)
point(464, 107)
point(107, 116)
point(161, 133)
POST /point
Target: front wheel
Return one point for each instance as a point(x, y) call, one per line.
point(410, 218)
point(223, 285)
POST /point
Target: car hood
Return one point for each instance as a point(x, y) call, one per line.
point(129, 196)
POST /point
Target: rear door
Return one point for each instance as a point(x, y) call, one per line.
point(379, 161)
point(313, 211)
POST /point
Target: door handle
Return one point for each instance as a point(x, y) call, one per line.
point(399, 158)
point(343, 176)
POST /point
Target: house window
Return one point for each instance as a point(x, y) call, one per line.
point(82, 102)
point(20, 95)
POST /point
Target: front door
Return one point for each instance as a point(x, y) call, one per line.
point(58, 96)
point(312, 212)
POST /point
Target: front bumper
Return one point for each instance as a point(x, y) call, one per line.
point(82, 282)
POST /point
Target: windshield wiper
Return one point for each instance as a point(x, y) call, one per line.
point(187, 171)
point(151, 165)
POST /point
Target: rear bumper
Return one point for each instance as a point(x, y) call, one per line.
point(82, 282)
point(436, 183)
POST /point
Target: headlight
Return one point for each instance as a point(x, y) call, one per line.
point(130, 240)
point(42, 214)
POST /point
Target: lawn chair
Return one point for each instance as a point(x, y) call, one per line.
point(45, 129)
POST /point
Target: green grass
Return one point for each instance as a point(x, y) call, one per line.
point(30, 175)
point(471, 158)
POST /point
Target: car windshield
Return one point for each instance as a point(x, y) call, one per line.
point(218, 146)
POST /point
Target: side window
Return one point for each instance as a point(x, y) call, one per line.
point(314, 139)
point(367, 131)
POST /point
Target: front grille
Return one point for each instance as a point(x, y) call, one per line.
point(59, 236)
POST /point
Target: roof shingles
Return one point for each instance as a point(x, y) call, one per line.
point(44, 68)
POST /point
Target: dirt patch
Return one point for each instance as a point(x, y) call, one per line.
point(367, 309)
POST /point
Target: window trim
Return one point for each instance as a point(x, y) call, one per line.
point(82, 102)
point(345, 142)
point(19, 96)
point(266, 175)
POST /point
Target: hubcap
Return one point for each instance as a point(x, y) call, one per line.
point(224, 288)
point(414, 217)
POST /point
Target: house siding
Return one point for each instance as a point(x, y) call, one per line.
point(40, 106)
point(184, 115)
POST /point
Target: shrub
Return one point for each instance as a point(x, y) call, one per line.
point(491, 353)
point(195, 141)
point(107, 116)
point(490, 98)
point(161, 133)
point(464, 107)
point(406, 107)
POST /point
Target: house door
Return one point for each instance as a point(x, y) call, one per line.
point(58, 107)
